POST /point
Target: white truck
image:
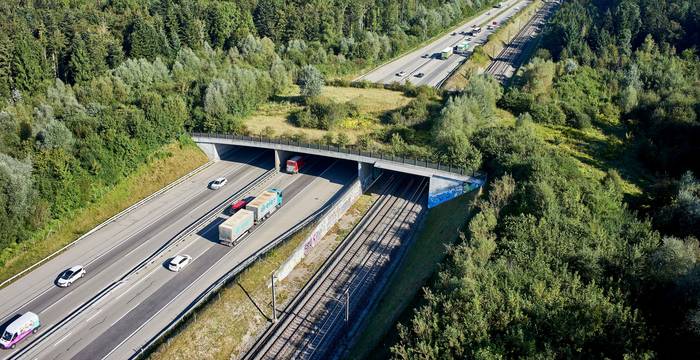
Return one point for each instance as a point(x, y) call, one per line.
point(265, 204)
point(235, 227)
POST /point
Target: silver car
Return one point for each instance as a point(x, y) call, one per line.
point(69, 276)
point(179, 262)
point(218, 183)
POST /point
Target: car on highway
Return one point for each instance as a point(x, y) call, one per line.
point(425, 56)
point(419, 75)
point(453, 34)
point(69, 276)
point(218, 183)
point(179, 262)
point(240, 204)
point(19, 329)
point(401, 73)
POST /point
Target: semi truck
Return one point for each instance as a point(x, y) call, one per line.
point(446, 53)
point(235, 227)
point(462, 47)
point(239, 224)
point(265, 204)
point(294, 164)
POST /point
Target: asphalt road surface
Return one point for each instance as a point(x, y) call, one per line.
point(426, 60)
point(512, 56)
point(115, 310)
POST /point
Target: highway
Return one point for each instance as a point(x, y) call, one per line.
point(315, 320)
point(128, 295)
point(514, 54)
point(435, 71)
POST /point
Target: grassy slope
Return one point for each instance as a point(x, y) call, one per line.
point(372, 104)
point(495, 43)
point(596, 149)
point(442, 227)
point(223, 327)
point(169, 164)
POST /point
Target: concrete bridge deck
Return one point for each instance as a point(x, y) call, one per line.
point(446, 182)
point(380, 160)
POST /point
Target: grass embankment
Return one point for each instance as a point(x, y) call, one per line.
point(483, 55)
point(224, 327)
point(167, 165)
point(372, 104)
point(596, 148)
point(442, 228)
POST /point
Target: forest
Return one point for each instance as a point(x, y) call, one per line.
point(557, 263)
point(91, 89)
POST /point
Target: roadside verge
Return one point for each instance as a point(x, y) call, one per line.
point(145, 184)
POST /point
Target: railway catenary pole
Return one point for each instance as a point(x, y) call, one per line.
point(347, 305)
point(274, 309)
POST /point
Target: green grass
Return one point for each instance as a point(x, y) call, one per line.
point(223, 327)
point(442, 228)
point(596, 149)
point(372, 105)
point(170, 163)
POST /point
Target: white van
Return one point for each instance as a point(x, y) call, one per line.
point(19, 329)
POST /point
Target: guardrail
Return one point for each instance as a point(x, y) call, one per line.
point(350, 150)
point(179, 237)
point(223, 280)
point(111, 219)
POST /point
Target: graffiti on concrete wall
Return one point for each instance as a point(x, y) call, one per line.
point(444, 189)
point(321, 229)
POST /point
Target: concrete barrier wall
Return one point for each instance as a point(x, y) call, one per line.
point(321, 229)
point(444, 189)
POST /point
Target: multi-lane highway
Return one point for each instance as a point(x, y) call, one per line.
point(128, 295)
point(424, 66)
point(512, 56)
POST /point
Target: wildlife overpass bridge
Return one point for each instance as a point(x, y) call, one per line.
point(446, 182)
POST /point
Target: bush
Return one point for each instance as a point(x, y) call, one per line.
point(548, 113)
point(323, 114)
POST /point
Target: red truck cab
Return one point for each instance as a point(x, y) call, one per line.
point(294, 164)
point(240, 204)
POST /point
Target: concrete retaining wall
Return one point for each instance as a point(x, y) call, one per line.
point(321, 229)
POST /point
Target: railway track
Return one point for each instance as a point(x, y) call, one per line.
point(312, 322)
point(511, 57)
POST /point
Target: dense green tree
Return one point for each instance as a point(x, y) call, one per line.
point(310, 81)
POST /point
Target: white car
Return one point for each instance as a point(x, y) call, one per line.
point(69, 276)
point(401, 73)
point(218, 183)
point(179, 262)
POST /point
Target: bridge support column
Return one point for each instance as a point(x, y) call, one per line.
point(211, 150)
point(366, 172)
point(281, 157)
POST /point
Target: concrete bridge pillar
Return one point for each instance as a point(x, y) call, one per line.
point(281, 158)
point(366, 172)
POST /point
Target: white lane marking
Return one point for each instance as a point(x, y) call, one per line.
point(93, 315)
point(127, 238)
point(63, 338)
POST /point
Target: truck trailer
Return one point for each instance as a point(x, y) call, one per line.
point(265, 204)
point(446, 53)
point(235, 227)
